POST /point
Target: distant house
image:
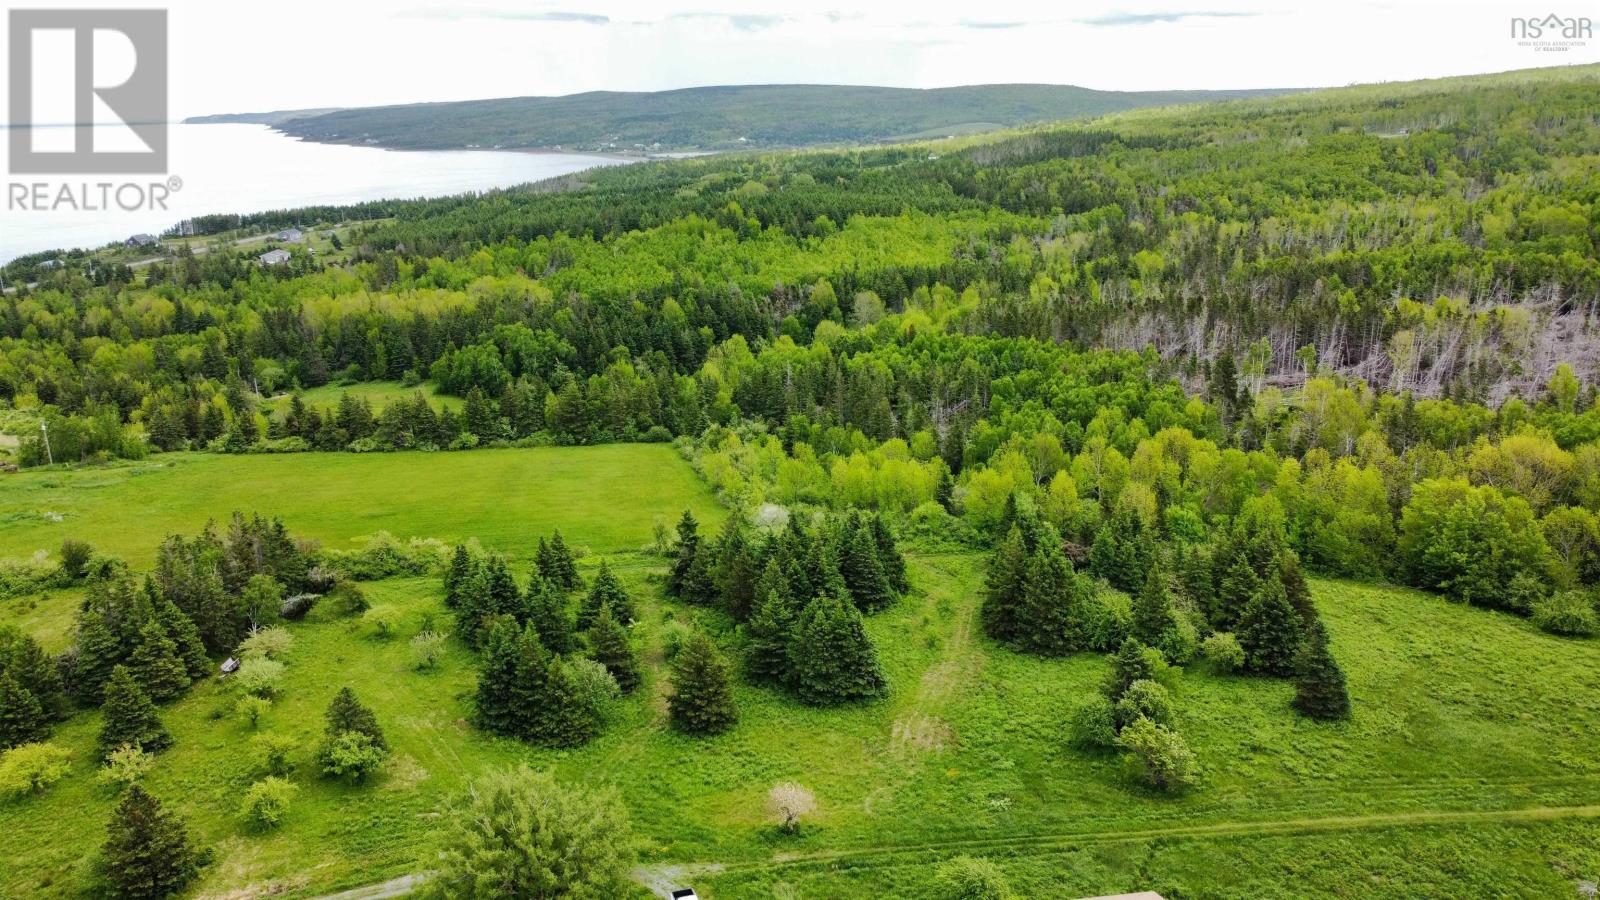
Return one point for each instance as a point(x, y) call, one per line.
point(291, 235)
point(230, 666)
point(141, 240)
point(49, 263)
point(274, 257)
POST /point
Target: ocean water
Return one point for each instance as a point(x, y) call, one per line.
point(251, 168)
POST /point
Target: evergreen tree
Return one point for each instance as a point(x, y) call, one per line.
point(607, 590)
point(889, 556)
point(1122, 550)
point(463, 567)
point(474, 606)
point(860, 567)
point(831, 659)
point(346, 713)
point(1295, 587)
point(736, 571)
point(191, 649)
point(147, 851)
point(530, 702)
point(1270, 630)
point(566, 719)
point(767, 636)
point(129, 717)
point(23, 659)
point(699, 584)
point(702, 693)
point(1050, 611)
point(556, 564)
point(688, 550)
point(1132, 662)
point(497, 680)
point(1152, 608)
point(156, 666)
point(1002, 591)
point(609, 645)
point(503, 596)
point(1319, 688)
point(22, 718)
point(546, 606)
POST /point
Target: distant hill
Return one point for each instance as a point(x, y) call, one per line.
point(715, 118)
point(276, 117)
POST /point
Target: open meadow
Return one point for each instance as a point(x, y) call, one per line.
point(1469, 768)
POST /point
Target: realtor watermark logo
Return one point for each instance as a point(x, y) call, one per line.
point(78, 76)
point(1552, 33)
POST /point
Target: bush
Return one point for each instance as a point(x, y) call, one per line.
point(125, 766)
point(1144, 699)
point(346, 600)
point(519, 833)
point(1095, 725)
point(385, 556)
point(351, 755)
point(258, 677)
point(1570, 613)
point(31, 768)
point(426, 648)
point(75, 556)
point(272, 753)
point(266, 803)
point(1159, 755)
point(673, 636)
point(968, 878)
point(266, 643)
point(593, 687)
point(1223, 652)
point(383, 620)
point(251, 708)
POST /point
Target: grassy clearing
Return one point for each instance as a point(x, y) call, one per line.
point(1469, 768)
point(603, 498)
point(378, 393)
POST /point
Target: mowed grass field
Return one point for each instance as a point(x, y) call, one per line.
point(602, 498)
point(377, 393)
point(1470, 768)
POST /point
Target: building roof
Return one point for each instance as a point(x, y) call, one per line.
point(273, 257)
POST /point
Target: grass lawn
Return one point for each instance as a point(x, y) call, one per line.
point(378, 393)
point(602, 498)
point(1470, 767)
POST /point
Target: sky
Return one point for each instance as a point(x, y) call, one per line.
point(289, 54)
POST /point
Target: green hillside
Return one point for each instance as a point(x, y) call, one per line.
point(722, 117)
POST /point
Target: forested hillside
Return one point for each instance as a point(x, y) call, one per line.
point(722, 117)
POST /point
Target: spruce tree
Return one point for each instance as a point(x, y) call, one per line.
point(100, 650)
point(699, 585)
point(831, 659)
point(1132, 662)
point(610, 647)
point(129, 717)
point(556, 564)
point(23, 659)
point(180, 628)
point(566, 721)
point(1050, 609)
point(1122, 550)
point(530, 694)
point(1152, 607)
point(503, 596)
point(688, 549)
point(156, 666)
point(702, 693)
point(1002, 591)
point(346, 713)
point(607, 590)
point(735, 573)
point(473, 607)
point(889, 556)
point(1319, 687)
point(546, 606)
point(1270, 630)
point(22, 717)
point(1295, 587)
point(147, 849)
point(497, 680)
point(859, 565)
point(462, 568)
point(767, 636)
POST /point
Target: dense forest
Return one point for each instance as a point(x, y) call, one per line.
point(722, 117)
point(1363, 317)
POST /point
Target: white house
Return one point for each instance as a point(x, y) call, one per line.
point(291, 235)
point(274, 257)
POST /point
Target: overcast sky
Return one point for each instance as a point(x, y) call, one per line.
point(231, 57)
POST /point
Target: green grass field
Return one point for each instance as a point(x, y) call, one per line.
point(603, 498)
point(377, 393)
point(1470, 767)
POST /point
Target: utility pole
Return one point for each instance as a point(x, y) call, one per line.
point(49, 458)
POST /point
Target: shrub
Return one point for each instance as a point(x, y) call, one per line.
point(251, 708)
point(789, 803)
point(519, 833)
point(258, 677)
point(266, 803)
point(351, 755)
point(75, 556)
point(1471, 542)
point(385, 556)
point(968, 878)
point(1095, 725)
point(1159, 755)
point(31, 768)
point(593, 686)
point(272, 753)
point(266, 643)
point(673, 636)
point(1144, 699)
point(125, 766)
point(426, 648)
point(346, 600)
point(1570, 613)
point(384, 620)
point(1223, 652)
